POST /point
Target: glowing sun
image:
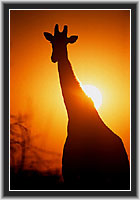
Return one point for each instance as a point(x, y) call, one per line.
point(94, 93)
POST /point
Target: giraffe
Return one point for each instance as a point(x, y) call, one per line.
point(93, 156)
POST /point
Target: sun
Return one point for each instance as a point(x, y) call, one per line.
point(94, 93)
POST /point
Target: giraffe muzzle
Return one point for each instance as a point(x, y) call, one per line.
point(53, 59)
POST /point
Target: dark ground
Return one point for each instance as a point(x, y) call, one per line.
point(35, 180)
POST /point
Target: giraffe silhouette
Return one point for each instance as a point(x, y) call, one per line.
point(93, 156)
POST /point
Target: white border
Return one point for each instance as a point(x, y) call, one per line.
point(130, 102)
point(130, 98)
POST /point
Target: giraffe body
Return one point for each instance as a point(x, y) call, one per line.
point(93, 156)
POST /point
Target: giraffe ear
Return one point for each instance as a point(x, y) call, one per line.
point(72, 39)
point(48, 36)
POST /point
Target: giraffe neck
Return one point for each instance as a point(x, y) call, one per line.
point(69, 85)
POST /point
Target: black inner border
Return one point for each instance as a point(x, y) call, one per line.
point(5, 8)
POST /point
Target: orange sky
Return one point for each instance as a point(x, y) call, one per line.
point(100, 57)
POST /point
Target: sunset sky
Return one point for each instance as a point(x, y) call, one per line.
point(100, 57)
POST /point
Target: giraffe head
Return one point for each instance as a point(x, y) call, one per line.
point(59, 42)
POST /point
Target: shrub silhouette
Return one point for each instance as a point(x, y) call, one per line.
point(22, 151)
